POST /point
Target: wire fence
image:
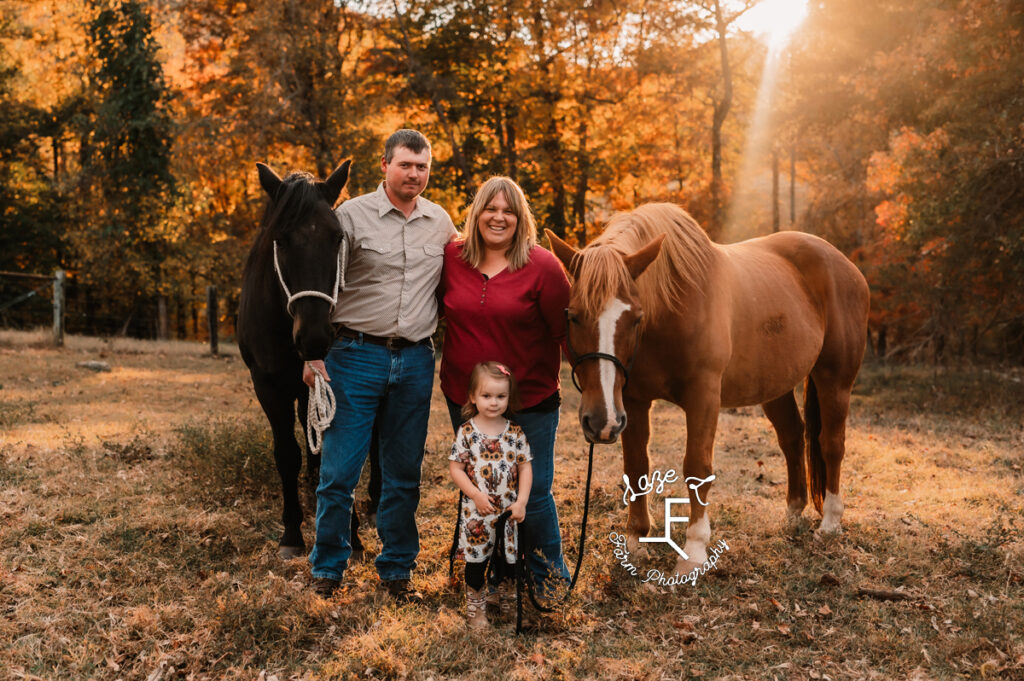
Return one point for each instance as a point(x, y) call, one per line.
point(31, 300)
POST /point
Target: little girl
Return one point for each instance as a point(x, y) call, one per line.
point(490, 462)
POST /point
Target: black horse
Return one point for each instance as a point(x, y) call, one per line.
point(284, 319)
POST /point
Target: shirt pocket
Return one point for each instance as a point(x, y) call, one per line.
point(376, 247)
point(433, 250)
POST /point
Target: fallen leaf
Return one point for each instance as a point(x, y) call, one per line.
point(784, 629)
point(537, 658)
point(777, 605)
point(825, 610)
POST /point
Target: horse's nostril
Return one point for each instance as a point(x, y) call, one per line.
point(585, 422)
point(620, 423)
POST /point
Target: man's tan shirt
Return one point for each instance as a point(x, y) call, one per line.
point(394, 266)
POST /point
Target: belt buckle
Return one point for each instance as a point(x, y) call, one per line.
point(389, 343)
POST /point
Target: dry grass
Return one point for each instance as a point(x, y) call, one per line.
point(139, 525)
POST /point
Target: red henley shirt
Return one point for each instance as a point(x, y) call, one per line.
point(516, 318)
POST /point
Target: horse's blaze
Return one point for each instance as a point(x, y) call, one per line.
point(606, 326)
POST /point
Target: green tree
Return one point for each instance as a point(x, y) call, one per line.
point(127, 183)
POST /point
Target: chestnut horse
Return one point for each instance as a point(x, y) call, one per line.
point(707, 326)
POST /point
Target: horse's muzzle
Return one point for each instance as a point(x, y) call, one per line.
point(596, 429)
point(312, 341)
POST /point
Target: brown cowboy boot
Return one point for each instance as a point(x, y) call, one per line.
point(476, 609)
point(507, 598)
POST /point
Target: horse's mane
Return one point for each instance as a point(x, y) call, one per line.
point(682, 263)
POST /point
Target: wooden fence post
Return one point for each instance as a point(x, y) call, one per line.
point(211, 317)
point(58, 308)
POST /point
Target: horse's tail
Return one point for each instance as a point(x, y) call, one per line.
point(815, 461)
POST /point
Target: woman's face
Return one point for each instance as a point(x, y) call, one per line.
point(497, 224)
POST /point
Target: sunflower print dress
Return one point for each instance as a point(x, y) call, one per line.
point(492, 464)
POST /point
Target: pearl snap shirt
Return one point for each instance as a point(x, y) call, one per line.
point(394, 265)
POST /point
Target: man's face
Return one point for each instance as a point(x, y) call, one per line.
point(407, 173)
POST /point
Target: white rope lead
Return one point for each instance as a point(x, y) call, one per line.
point(320, 412)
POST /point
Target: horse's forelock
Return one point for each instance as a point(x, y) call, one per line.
point(682, 264)
point(296, 199)
point(602, 276)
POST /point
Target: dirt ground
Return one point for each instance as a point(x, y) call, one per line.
point(139, 523)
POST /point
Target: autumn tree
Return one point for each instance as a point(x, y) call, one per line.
point(126, 179)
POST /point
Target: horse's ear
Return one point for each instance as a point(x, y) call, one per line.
point(638, 262)
point(565, 253)
point(336, 182)
point(268, 180)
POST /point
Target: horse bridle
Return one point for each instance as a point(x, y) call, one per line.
point(575, 360)
point(339, 281)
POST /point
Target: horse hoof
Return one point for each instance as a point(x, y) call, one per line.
point(358, 556)
point(796, 522)
point(827, 532)
point(291, 552)
point(685, 567)
point(634, 546)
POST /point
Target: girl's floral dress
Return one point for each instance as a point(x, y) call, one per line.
point(492, 464)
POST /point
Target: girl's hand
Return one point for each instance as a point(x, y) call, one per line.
point(483, 504)
point(518, 511)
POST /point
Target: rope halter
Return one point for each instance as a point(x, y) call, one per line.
point(339, 282)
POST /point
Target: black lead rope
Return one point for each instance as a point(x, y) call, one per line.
point(524, 580)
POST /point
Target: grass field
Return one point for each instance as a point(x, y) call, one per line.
point(139, 523)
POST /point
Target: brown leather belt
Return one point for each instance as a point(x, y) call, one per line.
point(392, 343)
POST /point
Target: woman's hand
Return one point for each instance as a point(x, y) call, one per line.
point(483, 503)
point(308, 377)
point(518, 511)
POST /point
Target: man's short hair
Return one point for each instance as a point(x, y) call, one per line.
point(413, 140)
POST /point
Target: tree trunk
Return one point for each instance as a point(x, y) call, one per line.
point(720, 111)
point(579, 205)
point(792, 185)
point(775, 190)
point(162, 328)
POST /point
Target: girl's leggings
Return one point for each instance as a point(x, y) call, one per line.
point(476, 572)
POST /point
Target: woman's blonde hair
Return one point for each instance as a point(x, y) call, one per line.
point(525, 238)
point(497, 371)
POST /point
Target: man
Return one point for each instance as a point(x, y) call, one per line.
point(382, 364)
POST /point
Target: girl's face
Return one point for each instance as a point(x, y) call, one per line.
point(490, 396)
point(497, 224)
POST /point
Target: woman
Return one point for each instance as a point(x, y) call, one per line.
point(504, 300)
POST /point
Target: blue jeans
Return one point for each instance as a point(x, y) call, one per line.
point(541, 515)
point(369, 381)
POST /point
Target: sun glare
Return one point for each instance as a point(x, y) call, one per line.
point(774, 19)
